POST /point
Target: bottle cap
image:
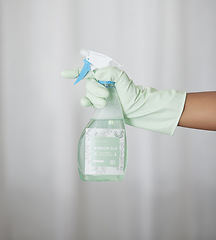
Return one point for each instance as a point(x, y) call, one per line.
point(106, 82)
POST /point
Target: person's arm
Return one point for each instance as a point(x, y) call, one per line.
point(199, 111)
point(148, 108)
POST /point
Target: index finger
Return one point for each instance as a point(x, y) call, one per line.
point(74, 73)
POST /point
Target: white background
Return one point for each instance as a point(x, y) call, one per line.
point(169, 192)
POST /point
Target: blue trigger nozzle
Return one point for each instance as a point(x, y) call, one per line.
point(86, 68)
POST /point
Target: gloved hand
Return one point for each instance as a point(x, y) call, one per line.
point(146, 108)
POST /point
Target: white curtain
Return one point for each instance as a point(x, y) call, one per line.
point(169, 192)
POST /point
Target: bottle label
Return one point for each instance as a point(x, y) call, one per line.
point(104, 151)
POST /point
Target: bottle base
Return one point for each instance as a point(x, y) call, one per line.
point(102, 178)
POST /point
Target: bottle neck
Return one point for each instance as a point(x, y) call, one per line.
point(113, 109)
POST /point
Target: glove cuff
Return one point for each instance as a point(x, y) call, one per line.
point(160, 112)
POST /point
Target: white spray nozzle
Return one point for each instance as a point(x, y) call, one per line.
point(93, 60)
point(84, 52)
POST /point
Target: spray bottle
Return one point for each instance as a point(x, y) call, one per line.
point(102, 151)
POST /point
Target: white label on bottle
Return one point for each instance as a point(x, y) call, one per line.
point(104, 151)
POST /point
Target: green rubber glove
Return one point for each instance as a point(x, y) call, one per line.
point(146, 108)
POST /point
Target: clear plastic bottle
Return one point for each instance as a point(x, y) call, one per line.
point(102, 154)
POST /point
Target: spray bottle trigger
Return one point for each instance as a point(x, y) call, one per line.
point(85, 69)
